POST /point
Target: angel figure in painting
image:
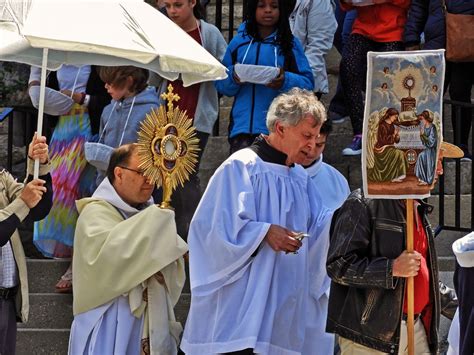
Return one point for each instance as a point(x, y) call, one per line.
point(389, 163)
point(384, 93)
point(426, 162)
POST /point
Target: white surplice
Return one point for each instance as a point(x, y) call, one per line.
point(332, 188)
point(244, 294)
point(330, 184)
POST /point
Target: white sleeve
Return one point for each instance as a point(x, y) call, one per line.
point(224, 232)
point(320, 26)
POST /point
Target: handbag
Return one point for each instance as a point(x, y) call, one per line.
point(459, 36)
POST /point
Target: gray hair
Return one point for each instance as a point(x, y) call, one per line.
point(293, 106)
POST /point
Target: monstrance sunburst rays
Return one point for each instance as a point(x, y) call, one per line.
point(167, 147)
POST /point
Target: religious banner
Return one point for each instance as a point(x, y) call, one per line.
point(402, 123)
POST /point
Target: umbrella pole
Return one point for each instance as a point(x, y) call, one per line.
point(39, 127)
point(410, 283)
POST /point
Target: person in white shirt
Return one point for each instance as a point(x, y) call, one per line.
point(332, 189)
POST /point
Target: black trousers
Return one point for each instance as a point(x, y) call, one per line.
point(186, 199)
point(463, 281)
point(354, 74)
point(460, 87)
point(7, 326)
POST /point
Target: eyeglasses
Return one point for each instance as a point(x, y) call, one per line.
point(126, 168)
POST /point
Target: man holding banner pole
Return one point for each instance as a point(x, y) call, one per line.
point(368, 264)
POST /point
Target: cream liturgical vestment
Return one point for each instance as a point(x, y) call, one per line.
point(117, 252)
point(244, 294)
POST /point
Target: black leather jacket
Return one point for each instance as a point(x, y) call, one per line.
point(366, 301)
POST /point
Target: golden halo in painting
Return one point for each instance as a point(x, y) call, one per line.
point(167, 147)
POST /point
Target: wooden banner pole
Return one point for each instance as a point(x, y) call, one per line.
point(410, 283)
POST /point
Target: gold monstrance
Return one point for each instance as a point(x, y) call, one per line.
point(167, 147)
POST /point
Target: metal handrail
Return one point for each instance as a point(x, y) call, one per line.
point(456, 110)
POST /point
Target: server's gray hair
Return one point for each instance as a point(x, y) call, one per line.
point(293, 106)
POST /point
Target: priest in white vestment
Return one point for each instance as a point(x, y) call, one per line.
point(250, 274)
point(332, 188)
point(128, 267)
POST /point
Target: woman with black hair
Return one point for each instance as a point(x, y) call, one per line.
point(265, 40)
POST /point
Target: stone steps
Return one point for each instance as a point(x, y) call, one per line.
point(47, 332)
point(48, 327)
point(50, 319)
point(42, 341)
point(49, 310)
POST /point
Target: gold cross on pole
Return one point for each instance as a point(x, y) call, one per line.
point(170, 97)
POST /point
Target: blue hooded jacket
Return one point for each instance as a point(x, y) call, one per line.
point(251, 101)
point(116, 130)
point(117, 112)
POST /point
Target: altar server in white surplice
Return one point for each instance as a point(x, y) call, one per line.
point(332, 188)
point(128, 267)
point(250, 289)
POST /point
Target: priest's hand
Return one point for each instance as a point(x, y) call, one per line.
point(282, 239)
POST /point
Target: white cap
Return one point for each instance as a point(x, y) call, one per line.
point(463, 249)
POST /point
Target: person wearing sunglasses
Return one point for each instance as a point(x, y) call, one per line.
point(128, 266)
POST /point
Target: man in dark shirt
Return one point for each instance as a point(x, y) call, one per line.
point(19, 201)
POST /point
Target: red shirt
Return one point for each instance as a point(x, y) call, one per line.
point(188, 95)
point(422, 280)
point(380, 22)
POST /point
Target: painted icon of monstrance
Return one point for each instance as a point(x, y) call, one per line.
point(408, 103)
point(167, 147)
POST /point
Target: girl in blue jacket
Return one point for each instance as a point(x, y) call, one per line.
point(264, 39)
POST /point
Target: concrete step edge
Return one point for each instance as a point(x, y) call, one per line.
point(44, 330)
point(42, 294)
point(446, 263)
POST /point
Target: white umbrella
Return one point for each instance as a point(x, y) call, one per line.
point(49, 33)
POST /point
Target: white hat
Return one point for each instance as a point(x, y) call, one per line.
point(463, 249)
point(451, 151)
point(55, 103)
